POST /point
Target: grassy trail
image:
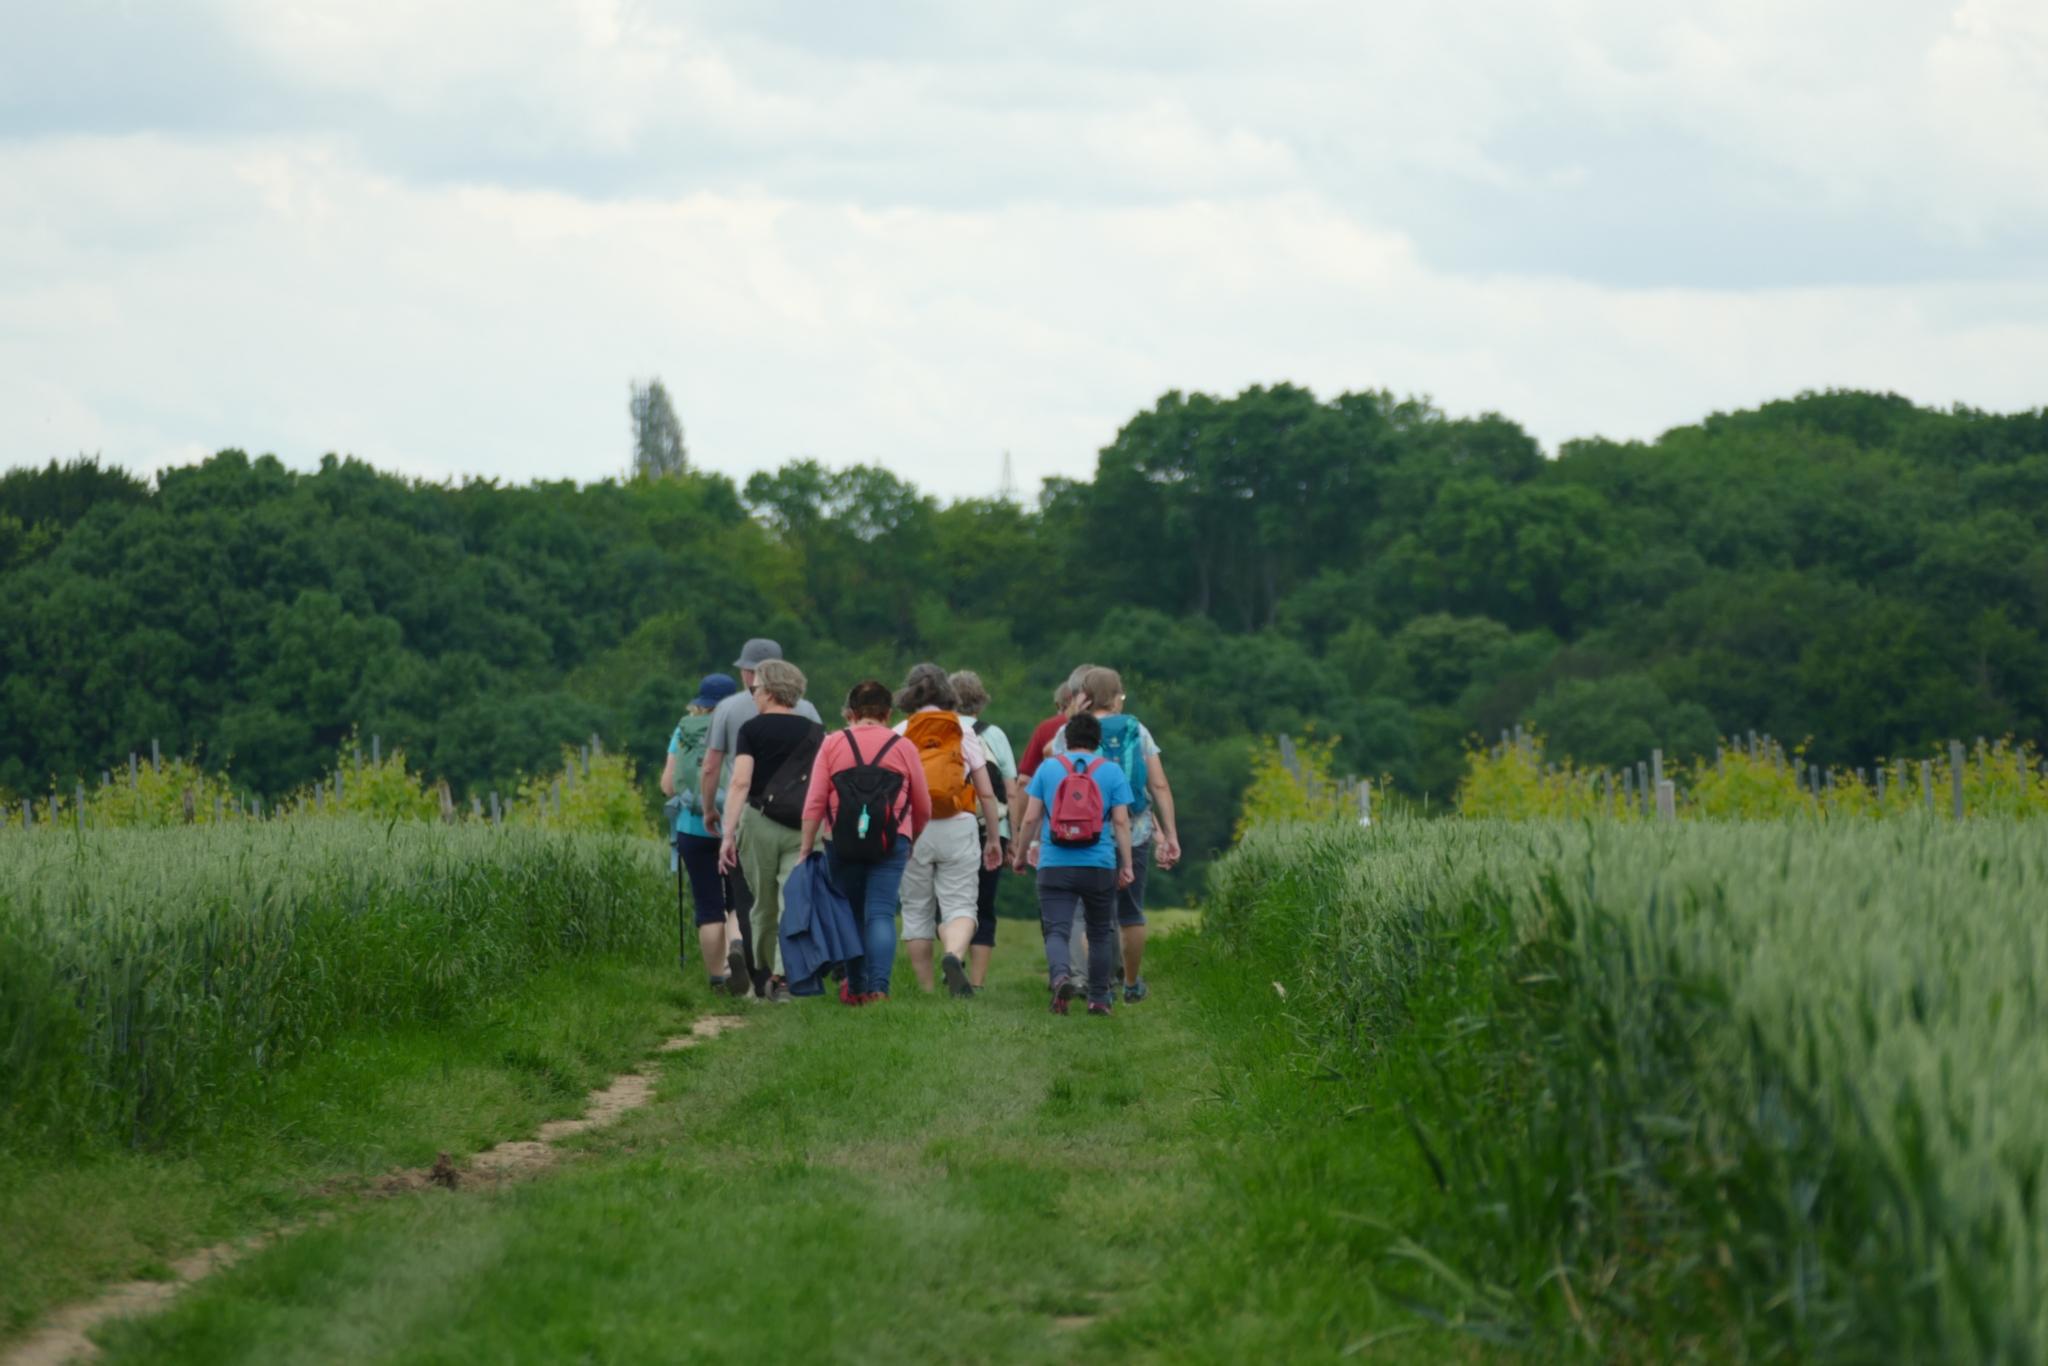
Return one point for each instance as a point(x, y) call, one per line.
point(930, 1180)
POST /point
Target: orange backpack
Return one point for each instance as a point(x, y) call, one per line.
point(937, 737)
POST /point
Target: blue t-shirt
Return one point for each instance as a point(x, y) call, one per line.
point(1116, 791)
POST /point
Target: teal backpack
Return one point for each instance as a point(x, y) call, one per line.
point(1123, 745)
point(693, 737)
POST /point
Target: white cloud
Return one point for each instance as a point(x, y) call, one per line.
point(444, 235)
point(473, 329)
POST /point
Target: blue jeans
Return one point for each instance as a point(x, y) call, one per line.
point(870, 888)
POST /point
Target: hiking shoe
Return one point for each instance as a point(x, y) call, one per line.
point(846, 992)
point(1135, 991)
point(719, 984)
point(1098, 1008)
point(737, 981)
point(872, 998)
point(1063, 991)
point(779, 992)
point(956, 975)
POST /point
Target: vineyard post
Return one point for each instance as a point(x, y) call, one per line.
point(257, 802)
point(1879, 771)
point(340, 790)
point(1755, 752)
point(1667, 800)
point(106, 777)
point(51, 810)
point(1927, 783)
point(1642, 788)
point(156, 755)
point(377, 750)
point(1365, 801)
point(447, 804)
point(320, 795)
point(78, 807)
point(1657, 769)
point(1955, 769)
point(134, 771)
point(28, 814)
point(497, 812)
point(476, 807)
point(596, 747)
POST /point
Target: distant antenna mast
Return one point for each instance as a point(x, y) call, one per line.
point(1008, 492)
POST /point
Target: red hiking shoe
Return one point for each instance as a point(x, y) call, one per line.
point(1063, 991)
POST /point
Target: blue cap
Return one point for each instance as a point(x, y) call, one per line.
point(714, 689)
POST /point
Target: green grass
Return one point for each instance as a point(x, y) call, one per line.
point(1705, 1092)
point(154, 983)
point(371, 1102)
point(929, 1180)
point(1431, 1091)
point(209, 1032)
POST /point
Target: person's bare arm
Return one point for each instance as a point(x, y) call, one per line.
point(803, 849)
point(991, 818)
point(1125, 875)
point(1025, 834)
point(735, 802)
point(1166, 852)
point(707, 786)
point(668, 776)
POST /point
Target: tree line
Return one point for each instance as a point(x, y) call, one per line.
point(1845, 566)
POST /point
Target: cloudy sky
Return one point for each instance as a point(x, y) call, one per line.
point(445, 234)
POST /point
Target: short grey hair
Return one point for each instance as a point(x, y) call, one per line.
point(1076, 678)
point(781, 680)
point(969, 692)
point(925, 686)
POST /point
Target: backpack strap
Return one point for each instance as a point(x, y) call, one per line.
point(854, 745)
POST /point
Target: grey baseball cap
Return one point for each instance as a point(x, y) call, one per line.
point(756, 650)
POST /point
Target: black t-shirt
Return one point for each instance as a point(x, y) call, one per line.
point(771, 740)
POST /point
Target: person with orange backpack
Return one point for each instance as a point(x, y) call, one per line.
point(941, 887)
point(1078, 808)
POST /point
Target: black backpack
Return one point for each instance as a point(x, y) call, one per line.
point(995, 775)
point(871, 799)
point(782, 801)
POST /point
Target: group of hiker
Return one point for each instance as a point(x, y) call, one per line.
point(846, 828)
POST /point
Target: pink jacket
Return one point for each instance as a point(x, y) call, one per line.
point(835, 755)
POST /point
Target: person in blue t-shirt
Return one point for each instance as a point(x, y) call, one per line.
point(1086, 876)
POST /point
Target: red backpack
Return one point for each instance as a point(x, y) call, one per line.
point(1076, 807)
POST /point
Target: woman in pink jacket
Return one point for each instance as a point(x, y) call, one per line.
point(870, 882)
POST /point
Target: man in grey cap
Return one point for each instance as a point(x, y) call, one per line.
point(720, 742)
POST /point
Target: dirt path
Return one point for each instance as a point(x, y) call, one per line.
point(66, 1335)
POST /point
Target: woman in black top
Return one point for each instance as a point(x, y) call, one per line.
point(764, 806)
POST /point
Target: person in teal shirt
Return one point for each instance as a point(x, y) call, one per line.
point(720, 938)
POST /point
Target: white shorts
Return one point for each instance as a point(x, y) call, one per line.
point(943, 881)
